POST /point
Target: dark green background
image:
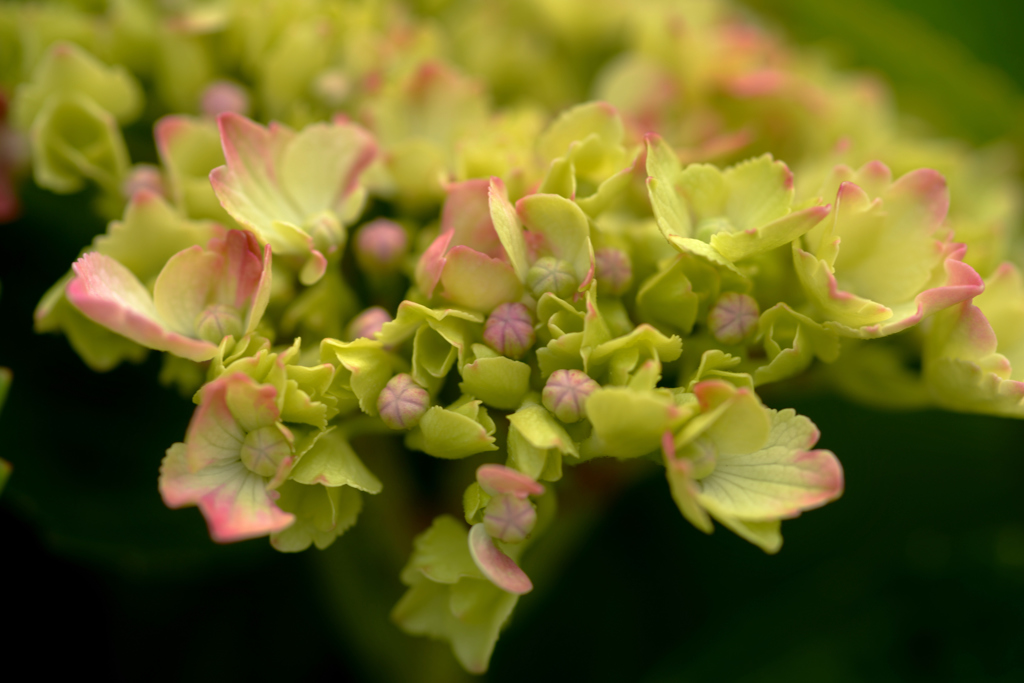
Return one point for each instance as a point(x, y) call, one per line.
point(917, 573)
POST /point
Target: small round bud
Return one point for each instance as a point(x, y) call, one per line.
point(613, 270)
point(368, 323)
point(566, 392)
point(550, 274)
point(264, 449)
point(218, 321)
point(332, 88)
point(220, 97)
point(142, 177)
point(509, 518)
point(380, 246)
point(509, 330)
point(402, 402)
point(733, 317)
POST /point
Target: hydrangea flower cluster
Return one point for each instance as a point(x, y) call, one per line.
point(454, 234)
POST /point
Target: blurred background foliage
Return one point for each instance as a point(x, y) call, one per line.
point(917, 573)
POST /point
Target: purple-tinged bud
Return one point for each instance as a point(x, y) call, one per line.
point(509, 330)
point(221, 97)
point(553, 275)
point(402, 402)
point(380, 247)
point(368, 323)
point(613, 270)
point(264, 449)
point(566, 392)
point(143, 177)
point(218, 321)
point(733, 317)
point(509, 518)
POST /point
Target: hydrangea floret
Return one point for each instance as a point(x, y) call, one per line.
point(532, 282)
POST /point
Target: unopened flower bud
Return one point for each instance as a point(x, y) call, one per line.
point(402, 402)
point(368, 323)
point(566, 392)
point(509, 330)
point(553, 275)
point(332, 88)
point(380, 246)
point(733, 317)
point(264, 449)
point(142, 177)
point(220, 97)
point(613, 270)
point(218, 321)
point(509, 518)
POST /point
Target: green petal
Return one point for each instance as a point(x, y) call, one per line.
point(321, 515)
point(333, 462)
point(497, 381)
point(448, 433)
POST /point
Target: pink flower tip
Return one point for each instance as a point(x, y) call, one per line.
point(368, 323)
point(509, 330)
point(402, 402)
point(380, 246)
point(613, 270)
point(224, 96)
point(733, 317)
point(566, 392)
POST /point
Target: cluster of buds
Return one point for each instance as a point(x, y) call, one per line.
point(531, 288)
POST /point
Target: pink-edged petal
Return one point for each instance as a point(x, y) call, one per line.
point(248, 187)
point(243, 508)
point(962, 283)
point(477, 281)
point(777, 481)
point(738, 245)
point(499, 568)
point(252, 405)
point(919, 196)
point(241, 269)
point(467, 214)
point(107, 293)
point(431, 263)
point(498, 479)
point(321, 165)
point(260, 298)
point(183, 288)
point(214, 435)
point(565, 228)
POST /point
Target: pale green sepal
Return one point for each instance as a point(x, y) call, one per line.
point(322, 514)
point(498, 381)
point(332, 462)
point(765, 535)
point(562, 353)
point(628, 423)
point(74, 140)
point(667, 298)
point(560, 179)
point(541, 429)
point(474, 500)
point(100, 349)
point(715, 363)
point(67, 69)
point(792, 341)
point(460, 430)
point(363, 366)
point(663, 167)
point(509, 229)
point(441, 554)
point(536, 463)
point(565, 229)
